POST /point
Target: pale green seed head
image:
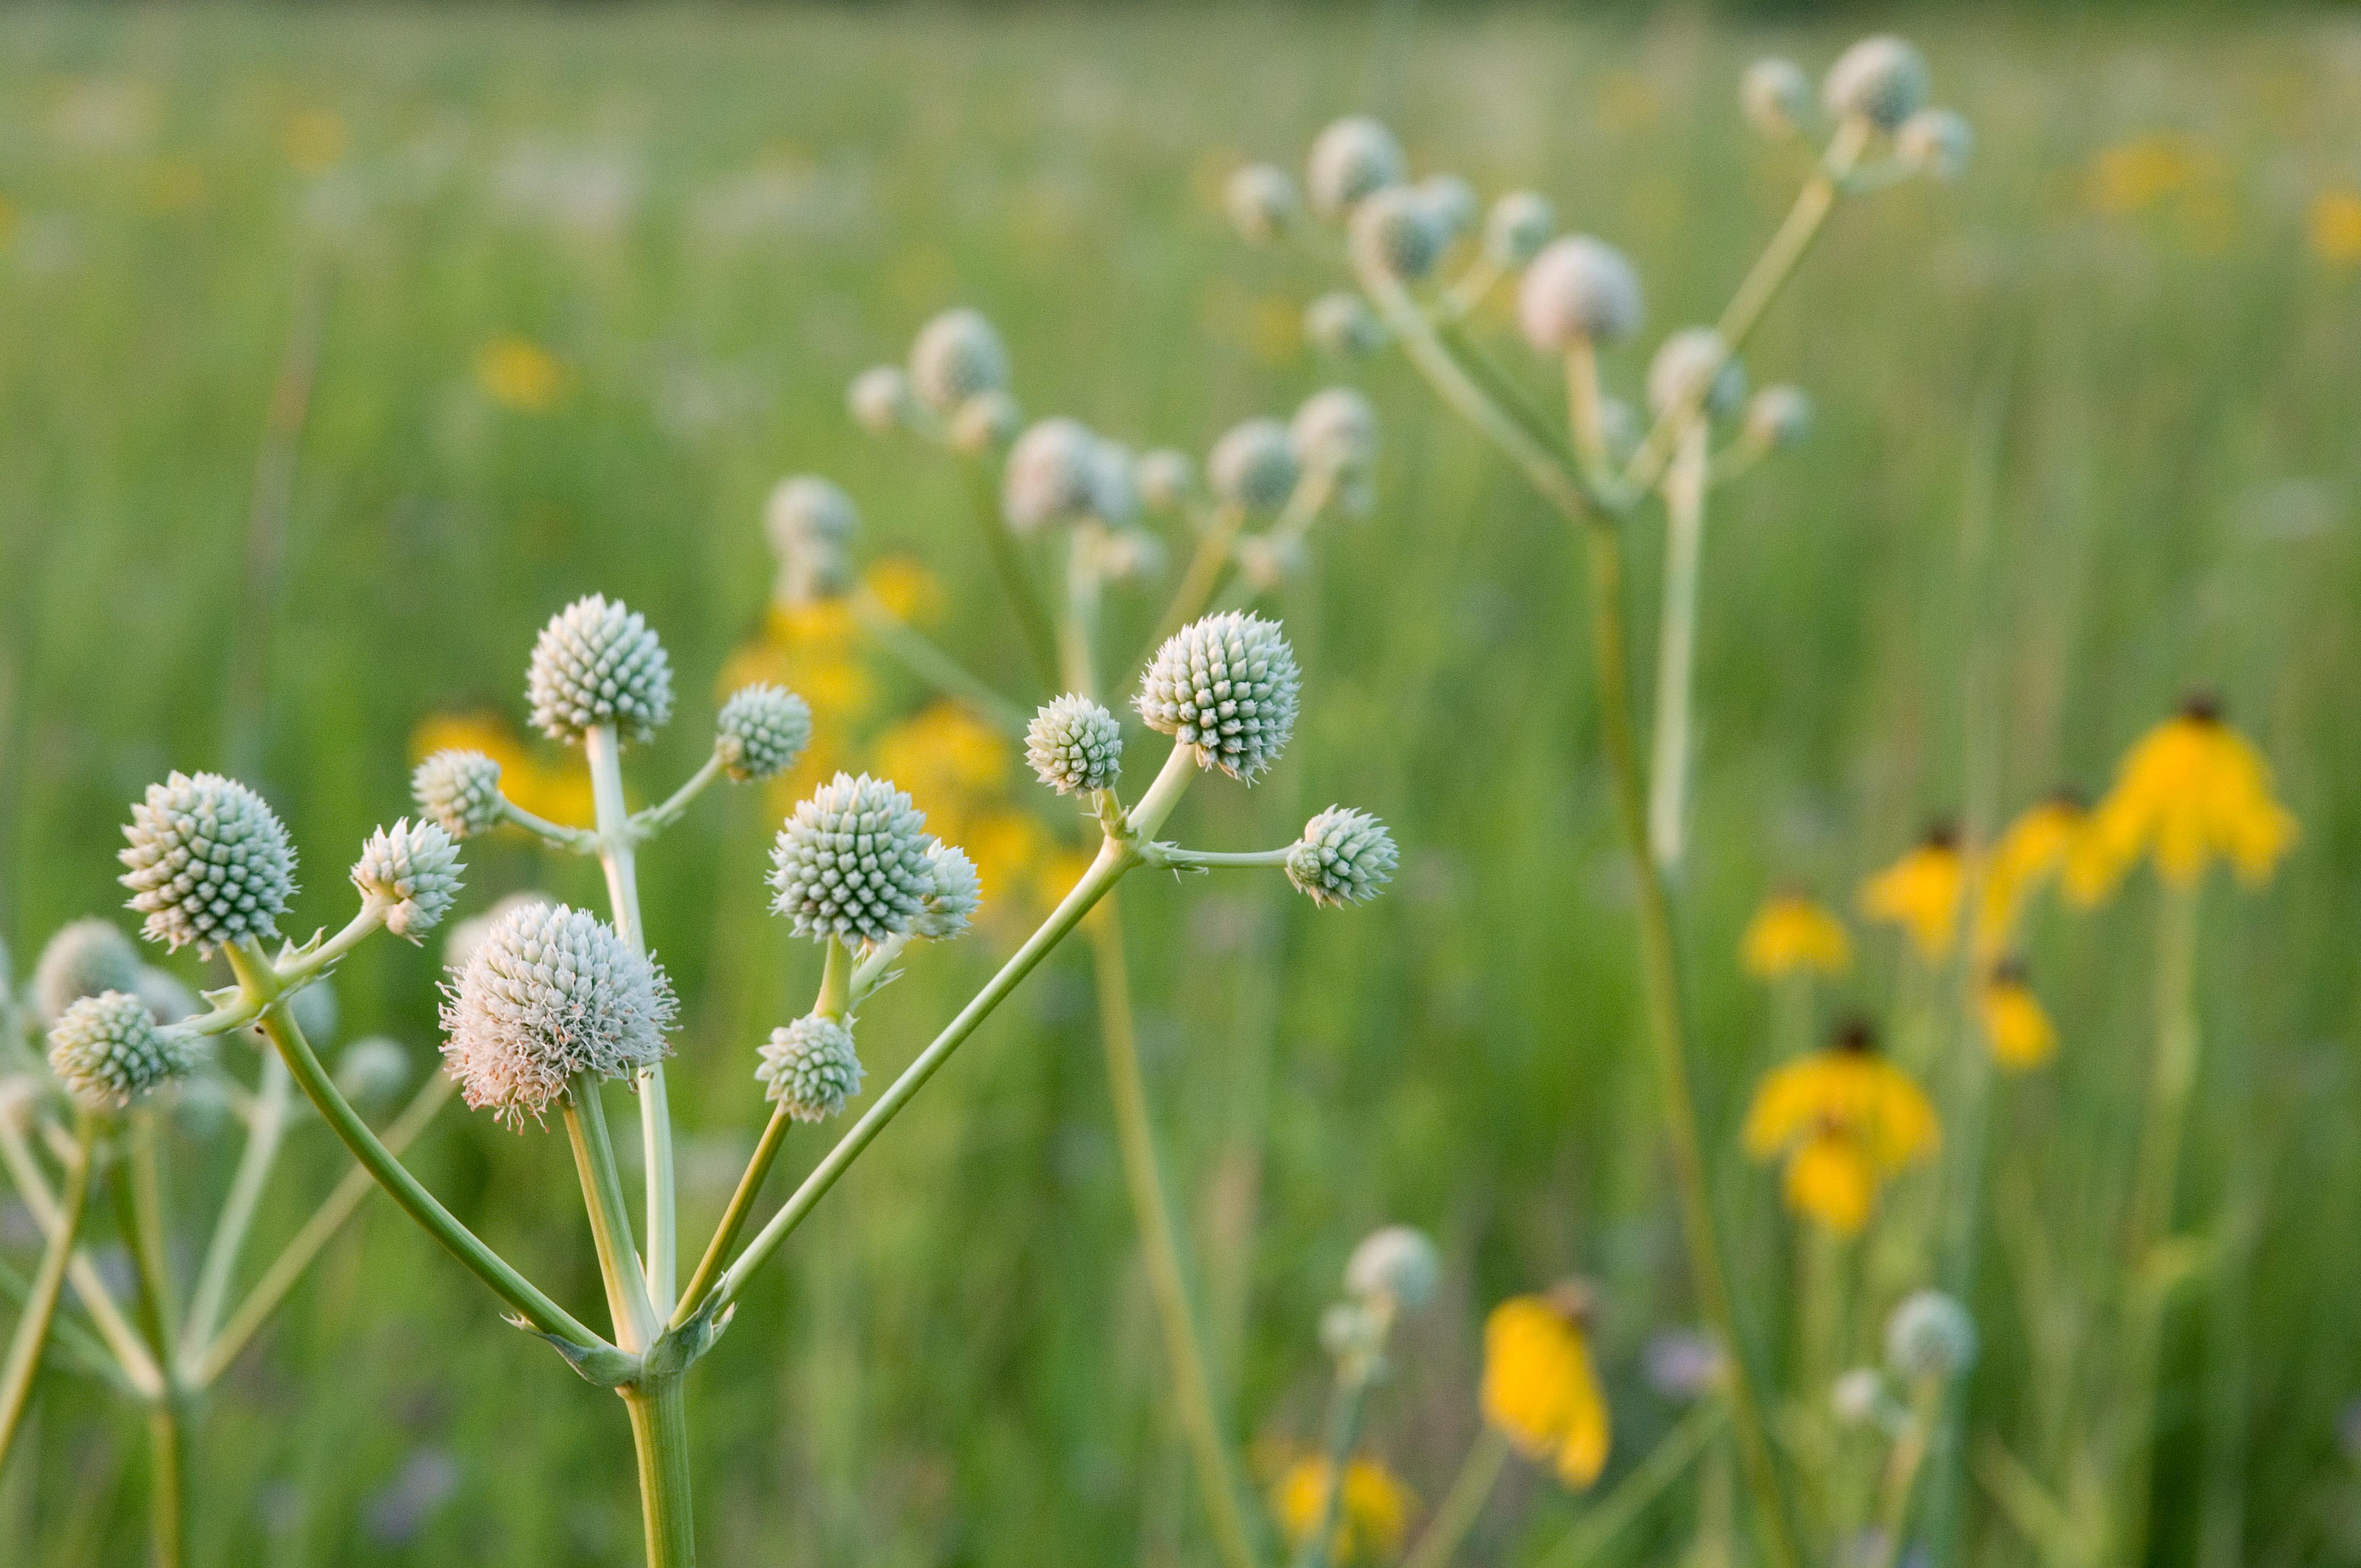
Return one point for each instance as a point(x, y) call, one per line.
point(1780, 417)
point(1334, 433)
point(985, 423)
point(1938, 143)
point(1451, 202)
point(1262, 202)
point(1930, 1334)
point(1578, 288)
point(1776, 96)
point(1344, 857)
point(810, 523)
point(596, 663)
point(1398, 231)
point(879, 400)
point(411, 870)
point(760, 731)
point(852, 861)
point(1351, 159)
point(1074, 745)
point(957, 356)
point(208, 863)
point(810, 1068)
point(1398, 1263)
point(1882, 79)
point(954, 893)
point(459, 791)
point(108, 1051)
point(1052, 475)
point(1253, 465)
point(1519, 226)
point(85, 957)
point(1229, 687)
point(1693, 367)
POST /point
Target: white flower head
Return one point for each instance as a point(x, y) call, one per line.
point(208, 862)
point(1351, 159)
point(1780, 416)
point(108, 1051)
point(1516, 229)
point(811, 1067)
point(985, 422)
point(85, 957)
point(1261, 202)
point(879, 400)
point(852, 861)
point(760, 731)
point(1167, 479)
point(1074, 745)
point(411, 870)
point(1936, 143)
point(1776, 96)
point(1052, 475)
point(460, 790)
point(1229, 687)
point(1578, 288)
point(810, 522)
point(1929, 1335)
point(1334, 433)
point(957, 356)
point(1397, 1263)
point(596, 663)
point(955, 893)
point(1253, 465)
point(1882, 79)
point(549, 992)
point(1344, 857)
point(460, 944)
point(1398, 231)
point(1343, 325)
point(1693, 368)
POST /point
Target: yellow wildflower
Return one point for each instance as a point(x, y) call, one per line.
point(950, 760)
point(2190, 791)
point(904, 586)
point(1372, 1511)
point(1791, 933)
point(2017, 1026)
point(1845, 1120)
point(2136, 175)
point(1921, 892)
point(558, 793)
point(2028, 852)
point(521, 374)
point(2334, 228)
point(1540, 1388)
point(313, 141)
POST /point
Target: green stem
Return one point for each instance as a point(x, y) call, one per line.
point(168, 1482)
point(1023, 598)
point(1463, 1504)
point(1353, 1375)
point(264, 1133)
point(1178, 859)
point(1597, 1528)
point(140, 1207)
point(610, 1227)
point(123, 1341)
point(647, 824)
point(1676, 648)
point(1901, 1477)
point(659, 1412)
point(85, 1349)
point(32, 1332)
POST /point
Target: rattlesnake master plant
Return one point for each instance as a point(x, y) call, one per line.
point(209, 864)
point(108, 1051)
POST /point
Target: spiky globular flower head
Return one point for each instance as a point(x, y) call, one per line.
point(1776, 96)
point(460, 944)
point(86, 958)
point(1936, 142)
point(956, 357)
point(1334, 432)
point(107, 1051)
point(596, 663)
point(1516, 229)
point(1052, 476)
point(810, 522)
point(880, 400)
point(1397, 1263)
point(1929, 1335)
point(760, 731)
point(1780, 417)
point(411, 872)
point(1694, 370)
point(209, 862)
point(1166, 478)
point(1451, 202)
point(1343, 324)
point(852, 861)
point(1578, 288)
point(1343, 857)
point(1262, 202)
point(1074, 745)
point(954, 893)
point(1227, 686)
point(373, 1070)
point(985, 422)
point(1352, 158)
point(549, 992)
point(1253, 465)
point(460, 790)
point(811, 1067)
point(1398, 231)
point(1882, 79)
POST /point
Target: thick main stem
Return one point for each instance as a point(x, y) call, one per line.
point(1676, 650)
point(658, 1411)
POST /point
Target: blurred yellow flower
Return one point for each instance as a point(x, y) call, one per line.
point(2334, 228)
point(2136, 175)
point(948, 759)
point(519, 374)
point(1627, 101)
point(1921, 893)
point(904, 585)
point(1845, 1120)
point(1541, 1389)
point(2190, 791)
point(2017, 1026)
point(554, 791)
point(2028, 852)
point(313, 141)
point(1372, 1511)
point(1791, 933)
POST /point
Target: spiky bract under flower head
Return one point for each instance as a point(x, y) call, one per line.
point(1334, 432)
point(596, 663)
point(878, 400)
point(760, 731)
point(954, 893)
point(1227, 686)
point(811, 1067)
point(1352, 158)
point(1517, 226)
point(1052, 474)
point(209, 862)
point(852, 861)
point(1929, 1335)
point(549, 992)
point(1343, 324)
point(1883, 80)
point(460, 790)
point(108, 1051)
point(1343, 857)
point(1253, 465)
point(1074, 745)
point(1398, 1262)
point(86, 958)
point(1262, 202)
point(1776, 96)
point(957, 356)
point(1578, 288)
point(1398, 231)
point(1694, 369)
point(412, 869)
point(1936, 142)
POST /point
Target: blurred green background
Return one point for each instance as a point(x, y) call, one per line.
point(583, 285)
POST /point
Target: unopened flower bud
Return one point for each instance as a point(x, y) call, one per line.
point(1776, 96)
point(1115, 484)
point(1929, 1335)
point(1396, 231)
point(460, 791)
point(760, 731)
point(1578, 288)
point(86, 958)
point(1334, 432)
point(596, 663)
point(957, 356)
point(1692, 369)
point(108, 1051)
point(1074, 745)
point(1519, 226)
point(1253, 465)
point(208, 863)
point(1343, 324)
point(879, 400)
point(1398, 1263)
point(811, 1067)
point(411, 872)
point(1229, 687)
point(850, 861)
point(1780, 417)
point(954, 895)
point(985, 423)
point(1882, 79)
point(1261, 202)
point(1051, 475)
point(1167, 479)
point(1343, 857)
point(1350, 159)
point(1936, 143)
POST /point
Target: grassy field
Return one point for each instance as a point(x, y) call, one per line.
point(580, 288)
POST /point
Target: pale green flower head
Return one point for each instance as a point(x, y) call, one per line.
point(1398, 231)
point(1262, 202)
point(957, 356)
point(411, 872)
point(1776, 96)
point(1578, 288)
point(1882, 79)
point(810, 1068)
point(1344, 857)
point(1343, 324)
point(879, 400)
point(985, 423)
point(596, 663)
point(460, 791)
point(760, 731)
point(1229, 687)
point(1074, 745)
point(810, 522)
point(85, 957)
point(954, 893)
point(1780, 416)
point(108, 1051)
point(1397, 1264)
point(1858, 1397)
point(1253, 465)
point(1930, 1334)
point(1451, 201)
point(465, 937)
point(1691, 367)
point(550, 993)
point(852, 863)
point(1052, 475)
point(1936, 143)
point(1351, 159)
point(1516, 229)
point(208, 862)
point(1334, 432)
point(1167, 479)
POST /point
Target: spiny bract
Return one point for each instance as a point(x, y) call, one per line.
point(413, 871)
point(596, 663)
point(109, 1052)
point(760, 731)
point(811, 1067)
point(1343, 857)
point(86, 958)
point(460, 790)
point(210, 862)
point(1227, 686)
point(852, 861)
point(1074, 745)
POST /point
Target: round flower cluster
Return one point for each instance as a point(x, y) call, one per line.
point(1578, 289)
point(954, 895)
point(549, 992)
point(1694, 369)
point(1399, 233)
point(956, 357)
point(86, 958)
point(1929, 1335)
point(596, 663)
point(1351, 159)
point(1343, 857)
point(985, 422)
point(811, 1067)
point(460, 791)
point(1397, 1263)
point(1334, 432)
point(412, 871)
point(1074, 745)
point(1780, 416)
point(109, 1052)
point(1227, 686)
point(1882, 79)
point(1060, 471)
point(760, 731)
point(1519, 226)
point(1343, 324)
point(1261, 202)
point(1776, 96)
point(810, 523)
point(209, 862)
point(878, 400)
point(853, 862)
point(1253, 465)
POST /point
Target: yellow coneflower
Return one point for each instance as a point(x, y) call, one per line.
point(2189, 792)
point(1372, 1511)
point(1921, 893)
point(2017, 1026)
point(1844, 1120)
point(1540, 1387)
point(521, 374)
point(2027, 853)
point(1791, 933)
